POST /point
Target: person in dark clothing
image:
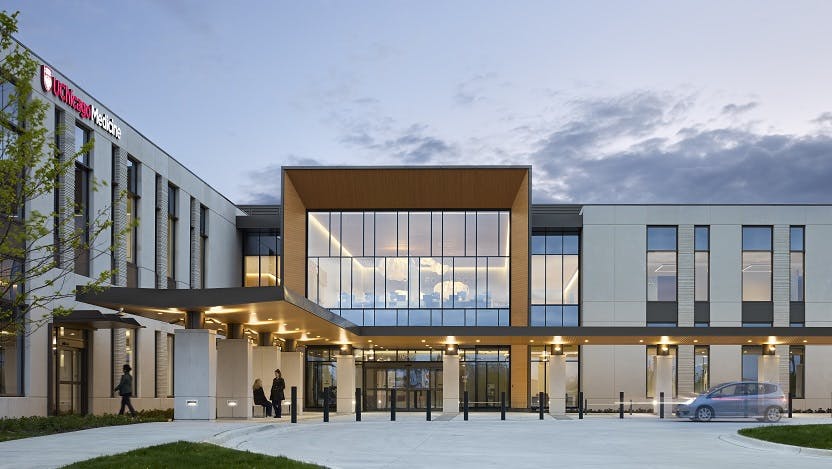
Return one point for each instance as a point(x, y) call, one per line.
point(260, 397)
point(125, 390)
point(278, 385)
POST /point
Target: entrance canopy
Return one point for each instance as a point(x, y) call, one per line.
point(291, 316)
point(94, 319)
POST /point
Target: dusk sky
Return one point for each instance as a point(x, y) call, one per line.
point(649, 101)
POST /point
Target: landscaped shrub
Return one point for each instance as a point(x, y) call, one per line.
point(25, 427)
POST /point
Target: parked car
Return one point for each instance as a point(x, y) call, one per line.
point(737, 399)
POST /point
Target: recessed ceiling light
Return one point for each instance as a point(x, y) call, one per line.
point(423, 341)
point(586, 340)
point(269, 319)
point(749, 341)
point(804, 341)
point(478, 340)
point(370, 341)
point(531, 340)
point(695, 340)
point(297, 328)
point(641, 341)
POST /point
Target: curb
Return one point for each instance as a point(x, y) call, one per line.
point(754, 443)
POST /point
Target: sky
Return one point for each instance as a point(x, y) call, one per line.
point(608, 101)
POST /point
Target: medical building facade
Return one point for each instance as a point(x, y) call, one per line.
point(427, 280)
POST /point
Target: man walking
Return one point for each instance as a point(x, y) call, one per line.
point(125, 390)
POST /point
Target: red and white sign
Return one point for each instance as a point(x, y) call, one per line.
point(85, 111)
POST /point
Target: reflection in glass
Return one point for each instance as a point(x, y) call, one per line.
point(796, 277)
point(701, 369)
point(756, 276)
point(651, 369)
point(661, 276)
point(701, 275)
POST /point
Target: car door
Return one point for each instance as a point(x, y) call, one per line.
point(725, 401)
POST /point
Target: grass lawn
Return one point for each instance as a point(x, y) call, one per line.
point(184, 454)
point(25, 427)
point(810, 436)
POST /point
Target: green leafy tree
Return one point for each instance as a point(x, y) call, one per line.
point(34, 277)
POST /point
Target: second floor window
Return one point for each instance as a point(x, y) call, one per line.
point(661, 263)
point(797, 286)
point(701, 262)
point(555, 282)
point(171, 248)
point(83, 176)
point(756, 263)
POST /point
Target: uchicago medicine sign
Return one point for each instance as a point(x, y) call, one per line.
point(85, 111)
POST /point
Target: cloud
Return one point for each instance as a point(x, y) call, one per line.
point(473, 90)
point(263, 185)
point(409, 146)
point(642, 148)
point(736, 109)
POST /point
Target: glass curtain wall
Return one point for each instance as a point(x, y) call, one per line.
point(484, 373)
point(83, 181)
point(555, 279)
point(651, 369)
point(261, 259)
point(661, 263)
point(539, 356)
point(411, 268)
point(756, 263)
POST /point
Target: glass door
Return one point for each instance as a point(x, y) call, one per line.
point(412, 382)
point(69, 385)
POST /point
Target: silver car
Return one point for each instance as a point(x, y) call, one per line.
point(738, 399)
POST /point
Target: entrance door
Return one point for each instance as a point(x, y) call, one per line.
point(412, 382)
point(69, 384)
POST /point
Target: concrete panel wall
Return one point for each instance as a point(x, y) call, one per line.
point(725, 363)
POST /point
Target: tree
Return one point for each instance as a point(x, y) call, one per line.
point(37, 248)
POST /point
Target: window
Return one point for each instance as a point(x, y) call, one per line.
point(261, 259)
point(203, 244)
point(485, 373)
point(701, 368)
point(83, 177)
point(130, 353)
point(651, 368)
point(56, 201)
point(661, 263)
point(11, 355)
point(796, 268)
point(797, 371)
point(410, 268)
point(555, 282)
point(132, 237)
point(756, 263)
point(750, 362)
point(539, 378)
point(701, 263)
point(173, 205)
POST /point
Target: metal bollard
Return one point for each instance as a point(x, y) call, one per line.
point(326, 404)
point(503, 405)
point(293, 407)
point(580, 405)
point(393, 405)
point(621, 404)
point(791, 396)
point(661, 405)
point(465, 405)
point(358, 404)
point(427, 417)
point(540, 406)
point(631, 407)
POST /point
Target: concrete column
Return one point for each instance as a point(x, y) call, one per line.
point(161, 364)
point(235, 330)
point(664, 382)
point(291, 365)
point(345, 374)
point(234, 378)
point(557, 384)
point(450, 383)
point(768, 369)
point(264, 360)
point(194, 320)
point(195, 379)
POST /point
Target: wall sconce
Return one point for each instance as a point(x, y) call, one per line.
point(192, 403)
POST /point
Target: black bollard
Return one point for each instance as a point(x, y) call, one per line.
point(357, 404)
point(621, 404)
point(580, 405)
point(427, 416)
point(791, 396)
point(293, 404)
point(465, 405)
point(661, 405)
point(540, 406)
point(326, 404)
point(503, 405)
point(393, 405)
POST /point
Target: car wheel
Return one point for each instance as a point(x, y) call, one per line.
point(773, 414)
point(704, 414)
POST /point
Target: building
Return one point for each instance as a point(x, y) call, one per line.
point(433, 281)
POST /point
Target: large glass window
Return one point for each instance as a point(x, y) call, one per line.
point(484, 373)
point(261, 259)
point(11, 353)
point(701, 368)
point(83, 181)
point(173, 216)
point(203, 246)
point(555, 279)
point(661, 263)
point(756, 263)
point(651, 368)
point(539, 356)
point(701, 280)
point(410, 268)
point(796, 269)
point(797, 371)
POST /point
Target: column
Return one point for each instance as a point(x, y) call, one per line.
point(234, 371)
point(291, 363)
point(664, 382)
point(120, 216)
point(195, 379)
point(450, 382)
point(557, 384)
point(66, 190)
point(161, 232)
point(195, 254)
point(264, 360)
point(345, 374)
point(685, 276)
point(768, 366)
point(781, 264)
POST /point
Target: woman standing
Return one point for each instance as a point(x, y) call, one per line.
point(260, 397)
point(278, 385)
